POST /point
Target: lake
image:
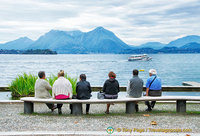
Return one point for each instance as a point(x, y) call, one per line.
point(173, 69)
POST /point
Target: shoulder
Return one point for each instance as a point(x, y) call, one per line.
point(107, 81)
point(116, 81)
point(87, 82)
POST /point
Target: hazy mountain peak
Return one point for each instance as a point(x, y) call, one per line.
point(184, 40)
point(20, 43)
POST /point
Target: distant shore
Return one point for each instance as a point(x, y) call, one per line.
point(37, 51)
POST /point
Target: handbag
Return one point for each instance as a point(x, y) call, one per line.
point(100, 95)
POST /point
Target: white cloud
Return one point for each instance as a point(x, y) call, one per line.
point(135, 22)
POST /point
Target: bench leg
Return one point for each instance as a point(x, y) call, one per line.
point(76, 108)
point(130, 107)
point(181, 106)
point(28, 107)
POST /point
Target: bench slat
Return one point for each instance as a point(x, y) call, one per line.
point(119, 100)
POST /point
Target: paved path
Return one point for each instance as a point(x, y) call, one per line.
point(45, 122)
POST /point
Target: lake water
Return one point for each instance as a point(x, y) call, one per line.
point(173, 69)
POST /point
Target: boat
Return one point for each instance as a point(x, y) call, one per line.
point(143, 57)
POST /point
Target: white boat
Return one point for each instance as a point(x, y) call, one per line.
point(139, 57)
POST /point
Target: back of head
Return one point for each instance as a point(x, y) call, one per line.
point(135, 72)
point(83, 77)
point(111, 74)
point(41, 74)
point(152, 71)
point(61, 73)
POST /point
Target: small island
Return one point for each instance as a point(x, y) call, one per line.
point(37, 51)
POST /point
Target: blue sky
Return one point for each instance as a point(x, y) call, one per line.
point(133, 21)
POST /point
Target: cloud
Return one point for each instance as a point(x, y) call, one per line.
point(135, 22)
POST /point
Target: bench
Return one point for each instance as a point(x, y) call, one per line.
point(130, 102)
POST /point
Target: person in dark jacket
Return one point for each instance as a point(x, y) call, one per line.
point(111, 88)
point(83, 90)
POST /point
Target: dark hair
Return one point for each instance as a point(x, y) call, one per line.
point(83, 77)
point(135, 72)
point(41, 74)
point(112, 74)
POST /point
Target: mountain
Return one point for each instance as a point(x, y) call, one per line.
point(153, 45)
point(57, 40)
point(18, 44)
point(192, 45)
point(98, 40)
point(184, 40)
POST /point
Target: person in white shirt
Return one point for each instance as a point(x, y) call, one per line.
point(62, 89)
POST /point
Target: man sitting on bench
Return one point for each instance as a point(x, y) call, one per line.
point(153, 88)
point(42, 89)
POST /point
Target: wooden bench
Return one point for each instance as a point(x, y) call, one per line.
point(130, 102)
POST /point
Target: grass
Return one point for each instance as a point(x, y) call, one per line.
point(139, 114)
point(24, 85)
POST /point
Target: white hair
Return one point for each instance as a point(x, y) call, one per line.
point(152, 71)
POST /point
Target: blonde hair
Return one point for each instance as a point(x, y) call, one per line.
point(61, 73)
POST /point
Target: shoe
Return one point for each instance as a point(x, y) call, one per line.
point(87, 113)
point(148, 109)
point(106, 112)
point(59, 111)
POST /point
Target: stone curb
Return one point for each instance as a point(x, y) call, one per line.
point(91, 133)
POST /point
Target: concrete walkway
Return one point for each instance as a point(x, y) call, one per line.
point(45, 122)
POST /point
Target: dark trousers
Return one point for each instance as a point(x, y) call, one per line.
point(87, 107)
point(59, 106)
point(50, 106)
point(150, 105)
point(153, 93)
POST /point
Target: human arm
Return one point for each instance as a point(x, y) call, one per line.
point(104, 87)
point(147, 91)
point(128, 88)
point(118, 86)
point(147, 86)
point(70, 91)
point(47, 86)
point(89, 87)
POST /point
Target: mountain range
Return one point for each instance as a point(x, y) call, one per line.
point(99, 40)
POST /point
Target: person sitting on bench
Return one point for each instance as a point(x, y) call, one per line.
point(42, 89)
point(62, 89)
point(83, 90)
point(111, 88)
point(135, 87)
point(153, 88)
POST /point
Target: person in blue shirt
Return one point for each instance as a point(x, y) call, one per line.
point(153, 88)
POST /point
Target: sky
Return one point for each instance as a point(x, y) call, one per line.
point(133, 21)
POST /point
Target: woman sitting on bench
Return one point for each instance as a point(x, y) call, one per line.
point(111, 88)
point(62, 89)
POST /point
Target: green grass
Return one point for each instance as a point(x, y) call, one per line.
point(23, 85)
point(139, 114)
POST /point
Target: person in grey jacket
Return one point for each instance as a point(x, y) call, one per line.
point(42, 89)
point(135, 87)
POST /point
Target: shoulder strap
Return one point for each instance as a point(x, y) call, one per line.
point(152, 82)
